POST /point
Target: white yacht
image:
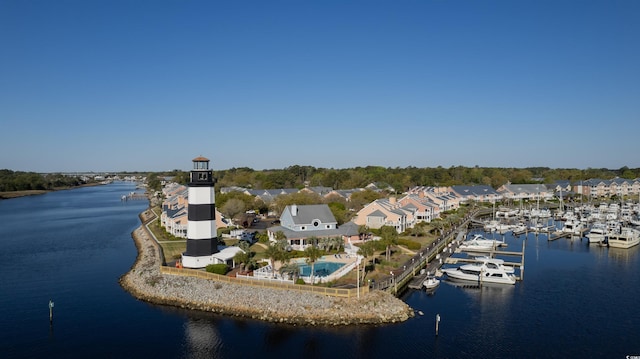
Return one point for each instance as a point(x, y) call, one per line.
point(487, 271)
point(519, 228)
point(573, 227)
point(485, 241)
point(597, 232)
point(479, 243)
point(474, 245)
point(627, 237)
point(486, 260)
point(491, 225)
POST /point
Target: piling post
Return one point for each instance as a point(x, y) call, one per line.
point(522, 263)
point(50, 311)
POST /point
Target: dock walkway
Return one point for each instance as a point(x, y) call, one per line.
point(432, 267)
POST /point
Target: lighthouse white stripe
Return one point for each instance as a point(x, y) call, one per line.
point(201, 195)
point(201, 229)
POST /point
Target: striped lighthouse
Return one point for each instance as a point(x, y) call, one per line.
point(202, 239)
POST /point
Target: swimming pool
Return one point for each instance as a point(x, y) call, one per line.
point(321, 269)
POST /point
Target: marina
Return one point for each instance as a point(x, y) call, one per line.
point(580, 223)
point(567, 281)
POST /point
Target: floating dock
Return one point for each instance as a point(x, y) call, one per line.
point(559, 234)
point(492, 253)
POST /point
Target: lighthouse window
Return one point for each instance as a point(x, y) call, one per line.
point(202, 176)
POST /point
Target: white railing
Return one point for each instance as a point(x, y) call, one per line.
point(335, 275)
point(264, 272)
point(278, 279)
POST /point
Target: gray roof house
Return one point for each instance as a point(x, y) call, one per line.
point(300, 222)
point(479, 193)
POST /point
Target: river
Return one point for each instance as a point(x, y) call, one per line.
point(72, 246)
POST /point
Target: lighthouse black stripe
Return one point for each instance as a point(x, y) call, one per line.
point(200, 247)
point(202, 212)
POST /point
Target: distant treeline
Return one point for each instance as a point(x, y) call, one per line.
point(24, 181)
point(401, 178)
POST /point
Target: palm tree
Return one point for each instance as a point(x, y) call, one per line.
point(366, 250)
point(273, 252)
point(292, 269)
point(389, 237)
point(245, 257)
point(313, 253)
point(242, 258)
point(338, 242)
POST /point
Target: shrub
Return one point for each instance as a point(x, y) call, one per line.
point(221, 268)
point(300, 281)
point(413, 245)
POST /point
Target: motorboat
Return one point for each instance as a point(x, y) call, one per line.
point(490, 262)
point(486, 271)
point(480, 239)
point(597, 232)
point(480, 244)
point(490, 226)
point(472, 245)
point(573, 227)
point(431, 282)
point(503, 228)
point(519, 228)
point(626, 237)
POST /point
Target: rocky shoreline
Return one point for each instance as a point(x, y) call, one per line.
point(145, 282)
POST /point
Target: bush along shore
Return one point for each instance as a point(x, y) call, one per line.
point(145, 282)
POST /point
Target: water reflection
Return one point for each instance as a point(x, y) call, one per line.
point(488, 294)
point(622, 256)
point(201, 339)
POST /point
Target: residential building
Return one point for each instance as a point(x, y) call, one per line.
point(301, 223)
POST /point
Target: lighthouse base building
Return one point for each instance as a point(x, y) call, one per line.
point(202, 241)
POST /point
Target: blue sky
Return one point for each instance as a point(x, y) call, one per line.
point(149, 85)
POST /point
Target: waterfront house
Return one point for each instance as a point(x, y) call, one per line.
point(386, 212)
point(443, 197)
point(301, 223)
point(476, 193)
point(426, 209)
point(516, 192)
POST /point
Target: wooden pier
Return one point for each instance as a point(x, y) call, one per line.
point(492, 253)
point(559, 234)
point(436, 262)
point(134, 196)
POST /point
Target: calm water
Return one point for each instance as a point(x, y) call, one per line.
point(72, 246)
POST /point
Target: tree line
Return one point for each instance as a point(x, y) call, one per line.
point(403, 178)
point(11, 181)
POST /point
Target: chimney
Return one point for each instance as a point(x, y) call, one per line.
point(392, 200)
point(294, 210)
